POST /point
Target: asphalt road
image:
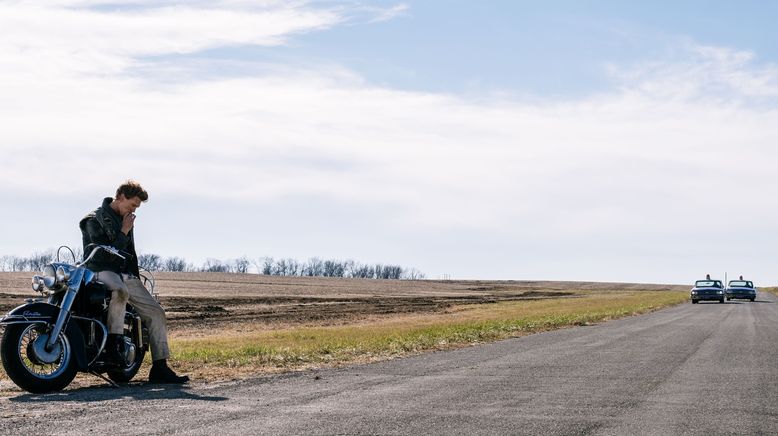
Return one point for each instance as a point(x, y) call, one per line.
point(692, 369)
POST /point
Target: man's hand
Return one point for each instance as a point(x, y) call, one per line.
point(128, 222)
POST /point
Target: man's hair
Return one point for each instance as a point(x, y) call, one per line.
point(131, 189)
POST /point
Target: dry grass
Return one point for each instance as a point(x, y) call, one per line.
point(772, 290)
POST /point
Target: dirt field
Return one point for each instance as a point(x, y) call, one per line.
point(198, 301)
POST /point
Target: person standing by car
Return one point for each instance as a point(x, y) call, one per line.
point(113, 224)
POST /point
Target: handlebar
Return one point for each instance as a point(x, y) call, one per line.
point(107, 248)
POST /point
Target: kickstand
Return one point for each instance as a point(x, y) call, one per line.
point(109, 381)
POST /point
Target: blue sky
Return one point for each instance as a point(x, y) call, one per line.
point(611, 141)
point(543, 49)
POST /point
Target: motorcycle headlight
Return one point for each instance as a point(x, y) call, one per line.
point(63, 274)
point(49, 276)
point(37, 284)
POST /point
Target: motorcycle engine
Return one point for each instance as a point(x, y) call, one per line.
point(129, 351)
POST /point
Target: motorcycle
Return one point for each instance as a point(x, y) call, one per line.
point(48, 340)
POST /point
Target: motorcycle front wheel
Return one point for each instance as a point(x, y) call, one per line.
point(30, 365)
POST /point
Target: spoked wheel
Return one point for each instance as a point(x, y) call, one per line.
point(30, 365)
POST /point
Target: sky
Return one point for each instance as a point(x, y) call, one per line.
point(513, 140)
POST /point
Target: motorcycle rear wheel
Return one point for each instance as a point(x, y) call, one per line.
point(26, 369)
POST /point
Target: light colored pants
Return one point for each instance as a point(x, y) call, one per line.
point(130, 289)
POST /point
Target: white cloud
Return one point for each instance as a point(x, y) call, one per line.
point(54, 41)
point(704, 72)
point(388, 13)
point(257, 138)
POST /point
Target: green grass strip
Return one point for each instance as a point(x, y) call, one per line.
point(306, 346)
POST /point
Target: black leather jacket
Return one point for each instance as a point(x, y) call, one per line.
point(103, 226)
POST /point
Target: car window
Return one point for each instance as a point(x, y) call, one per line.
point(704, 283)
point(739, 283)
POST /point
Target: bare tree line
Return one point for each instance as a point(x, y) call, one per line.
point(316, 267)
point(313, 267)
point(36, 261)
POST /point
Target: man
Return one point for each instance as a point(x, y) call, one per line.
point(112, 224)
